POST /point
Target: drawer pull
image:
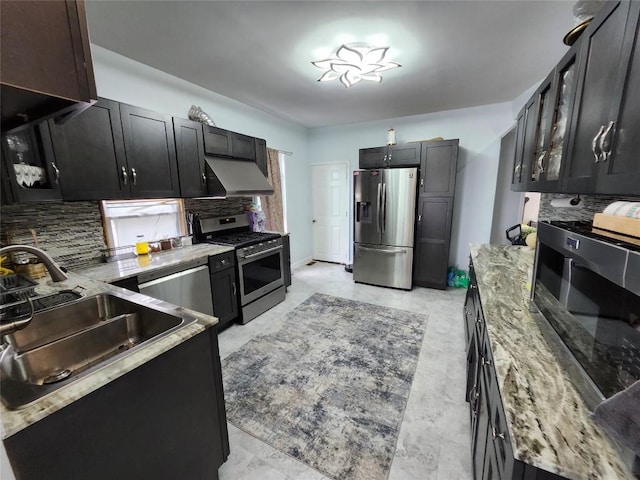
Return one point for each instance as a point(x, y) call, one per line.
point(495, 434)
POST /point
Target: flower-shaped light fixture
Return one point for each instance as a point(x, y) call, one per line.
point(355, 62)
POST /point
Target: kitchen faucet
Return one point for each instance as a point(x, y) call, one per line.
point(57, 275)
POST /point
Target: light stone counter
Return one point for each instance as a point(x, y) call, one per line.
point(113, 271)
point(549, 424)
point(12, 421)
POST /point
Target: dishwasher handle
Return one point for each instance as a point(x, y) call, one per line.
point(148, 276)
point(167, 278)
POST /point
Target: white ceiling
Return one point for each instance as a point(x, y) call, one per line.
point(454, 54)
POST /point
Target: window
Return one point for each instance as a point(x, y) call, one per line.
point(156, 219)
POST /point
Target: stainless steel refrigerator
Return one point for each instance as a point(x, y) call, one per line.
point(385, 204)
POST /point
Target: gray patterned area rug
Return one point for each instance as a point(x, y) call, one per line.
point(330, 387)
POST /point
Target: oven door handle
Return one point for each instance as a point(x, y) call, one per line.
point(260, 254)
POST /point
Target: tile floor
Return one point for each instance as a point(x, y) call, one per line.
point(434, 438)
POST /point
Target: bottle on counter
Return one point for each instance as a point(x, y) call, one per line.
point(142, 246)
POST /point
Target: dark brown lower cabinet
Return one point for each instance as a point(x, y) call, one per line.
point(163, 420)
point(224, 290)
point(433, 232)
point(491, 448)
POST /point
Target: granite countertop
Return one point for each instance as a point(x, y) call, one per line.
point(12, 421)
point(113, 271)
point(549, 424)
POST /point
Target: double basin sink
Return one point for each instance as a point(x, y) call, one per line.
point(63, 344)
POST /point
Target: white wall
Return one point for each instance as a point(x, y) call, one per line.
point(125, 80)
point(479, 130)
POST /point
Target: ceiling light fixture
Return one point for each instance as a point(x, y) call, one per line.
point(354, 62)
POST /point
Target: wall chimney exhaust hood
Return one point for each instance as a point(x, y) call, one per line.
point(235, 178)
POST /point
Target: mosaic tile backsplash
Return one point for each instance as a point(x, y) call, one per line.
point(71, 232)
point(217, 208)
point(590, 204)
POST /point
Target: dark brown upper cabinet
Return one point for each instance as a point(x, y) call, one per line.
point(243, 146)
point(261, 156)
point(601, 64)
point(89, 150)
point(578, 132)
point(438, 163)
point(518, 182)
point(619, 168)
point(45, 57)
point(190, 156)
point(29, 164)
point(151, 153)
point(224, 143)
point(399, 155)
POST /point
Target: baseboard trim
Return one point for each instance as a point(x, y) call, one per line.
point(301, 263)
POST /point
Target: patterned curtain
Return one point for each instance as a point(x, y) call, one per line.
point(272, 205)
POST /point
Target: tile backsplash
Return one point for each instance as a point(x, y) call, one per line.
point(217, 208)
point(71, 232)
point(590, 204)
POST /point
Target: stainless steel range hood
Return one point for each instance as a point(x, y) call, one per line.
point(235, 178)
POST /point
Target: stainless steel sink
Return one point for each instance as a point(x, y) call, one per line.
point(65, 343)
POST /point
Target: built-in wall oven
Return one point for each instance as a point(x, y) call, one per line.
point(587, 288)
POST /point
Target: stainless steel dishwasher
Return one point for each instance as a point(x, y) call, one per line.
point(186, 285)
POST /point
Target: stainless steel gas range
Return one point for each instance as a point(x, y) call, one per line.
point(259, 259)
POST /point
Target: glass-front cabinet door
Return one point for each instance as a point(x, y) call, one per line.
point(30, 163)
point(554, 100)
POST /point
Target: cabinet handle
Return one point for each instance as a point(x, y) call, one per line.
point(125, 177)
point(419, 218)
point(204, 178)
point(605, 142)
point(390, 153)
point(595, 146)
point(486, 362)
point(495, 434)
point(384, 160)
point(233, 286)
point(422, 183)
point(56, 171)
point(134, 176)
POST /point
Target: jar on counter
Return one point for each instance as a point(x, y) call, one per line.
point(142, 246)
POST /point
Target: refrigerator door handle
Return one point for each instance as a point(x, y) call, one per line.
point(384, 206)
point(378, 205)
point(381, 250)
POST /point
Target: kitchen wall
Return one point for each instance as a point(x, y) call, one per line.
point(479, 130)
point(122, 79)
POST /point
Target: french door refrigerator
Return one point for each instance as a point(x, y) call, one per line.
point(385, 203)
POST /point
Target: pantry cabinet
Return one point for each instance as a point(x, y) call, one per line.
point(578, 133)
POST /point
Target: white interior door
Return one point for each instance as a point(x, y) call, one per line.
point(330, 228)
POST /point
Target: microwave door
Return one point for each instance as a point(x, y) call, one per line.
point(367, 191)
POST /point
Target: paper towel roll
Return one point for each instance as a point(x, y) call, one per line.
point(623, 209)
